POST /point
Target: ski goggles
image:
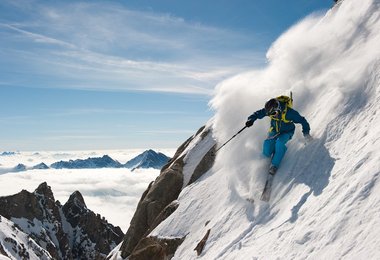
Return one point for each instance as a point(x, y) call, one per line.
point(272, 107)
point(274, 112)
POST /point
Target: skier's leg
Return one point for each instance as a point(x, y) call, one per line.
point(268, 147)
point(280, 149)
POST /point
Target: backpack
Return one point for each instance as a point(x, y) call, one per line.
point(288, 101)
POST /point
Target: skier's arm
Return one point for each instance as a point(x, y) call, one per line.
point(257, 115)
point(298, 119)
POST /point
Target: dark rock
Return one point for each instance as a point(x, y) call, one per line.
point(155, 204)
point(21, 205)
point(202, 243)
point(38, 205)
point(164, 190)
point(2, 251)
point(89, 229)
point(156, 248)
point(204, 165)
point(149, 248)
point(165, 213)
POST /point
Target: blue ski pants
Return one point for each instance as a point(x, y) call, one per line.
point(275, 147)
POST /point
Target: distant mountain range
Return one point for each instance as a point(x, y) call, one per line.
point(89, 163)
point(7, 153)
point(147, 159)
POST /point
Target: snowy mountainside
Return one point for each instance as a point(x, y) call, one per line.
point(16, 244)
point(325, 201)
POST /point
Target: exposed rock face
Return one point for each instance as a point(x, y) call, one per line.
point(155, 248)
point(204, 165)
point(69, 232)
point(101, 237)
point(164, 190)
point(159, 201)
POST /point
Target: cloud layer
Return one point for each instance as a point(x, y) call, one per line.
point(113, 193)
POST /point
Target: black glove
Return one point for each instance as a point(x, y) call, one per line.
point(249, 123)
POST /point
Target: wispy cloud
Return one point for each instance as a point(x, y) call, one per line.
point(38, 38)
point(94, 111)
point(108, 47)
point(167, 132)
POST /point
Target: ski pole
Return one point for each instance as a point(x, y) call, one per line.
point(241, 130)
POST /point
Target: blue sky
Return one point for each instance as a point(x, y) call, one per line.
point(77, 75)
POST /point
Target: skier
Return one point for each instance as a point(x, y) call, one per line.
point(282, 128)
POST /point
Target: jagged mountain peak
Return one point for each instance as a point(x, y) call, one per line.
point(71, 231)
point(148, 159)
point(45, 190)
point(76, 199)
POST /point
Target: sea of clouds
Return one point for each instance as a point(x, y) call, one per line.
point(113, 193)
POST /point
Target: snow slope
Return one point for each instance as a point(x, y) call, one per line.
point(18, 245)
point(326, 199)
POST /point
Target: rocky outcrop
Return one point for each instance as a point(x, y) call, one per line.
point(155, 248)
point(204, 165)
point(102, 237)
point(159, 201)
point(69, 232)
point(159, 194)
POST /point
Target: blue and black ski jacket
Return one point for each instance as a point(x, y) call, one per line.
point(284, 123)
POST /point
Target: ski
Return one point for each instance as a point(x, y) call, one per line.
point(265, 196)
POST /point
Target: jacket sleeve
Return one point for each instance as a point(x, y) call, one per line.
point(298, 119)
point(257, 115)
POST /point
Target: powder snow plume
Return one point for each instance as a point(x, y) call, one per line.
point(329, 61)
